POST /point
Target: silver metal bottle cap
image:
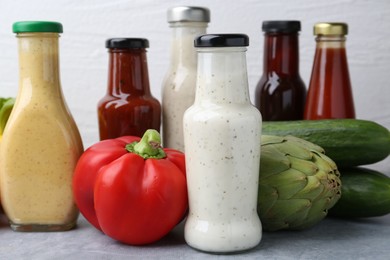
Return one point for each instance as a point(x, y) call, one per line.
point(188, 14)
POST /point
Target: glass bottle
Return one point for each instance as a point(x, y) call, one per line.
point(330, 92)
point(41, 143)
point(222, 132)
point(128, 108)
point(178, 88)
point(280, 94)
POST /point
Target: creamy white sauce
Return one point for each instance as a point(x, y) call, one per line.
point(222, 146)
point(179, 85)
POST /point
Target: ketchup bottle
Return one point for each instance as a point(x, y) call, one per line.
point(330, 91)
point(128, 108)
point(280, 93)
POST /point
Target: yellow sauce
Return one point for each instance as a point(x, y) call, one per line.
point(41, 143)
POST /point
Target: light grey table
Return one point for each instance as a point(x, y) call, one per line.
point(330, 239)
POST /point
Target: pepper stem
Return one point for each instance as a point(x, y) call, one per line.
point(149, 146)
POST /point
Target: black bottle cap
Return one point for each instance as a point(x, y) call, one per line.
point(281, 26)
point(222, 40)
point(127, 43)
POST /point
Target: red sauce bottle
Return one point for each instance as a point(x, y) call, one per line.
point(280, 93)
point(330, 91)
point(128, 108)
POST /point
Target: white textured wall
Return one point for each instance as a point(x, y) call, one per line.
point(87, 24)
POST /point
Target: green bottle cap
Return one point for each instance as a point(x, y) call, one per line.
point(37, 26)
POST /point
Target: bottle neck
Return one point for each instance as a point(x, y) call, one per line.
point(281, 54)
point(182, 51)
point(333, 41)
point(128, 73)
point(330, 58)
point(39, 62)
point(222, 76)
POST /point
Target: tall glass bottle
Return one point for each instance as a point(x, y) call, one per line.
point(330, 91)
point(222, 132)
point(281, 92)
point(178, 88)
point(41, 143)
point(128, 108)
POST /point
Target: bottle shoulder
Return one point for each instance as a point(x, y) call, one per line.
point(179, 84)
point(125, 97)
point(27, 122)
point(222, 119)
point(273, 81)
point(112, 102)
point(178, 69)
point(223, 109)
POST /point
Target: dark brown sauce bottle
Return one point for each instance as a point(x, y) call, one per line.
point(128, 108)
point(280, 93)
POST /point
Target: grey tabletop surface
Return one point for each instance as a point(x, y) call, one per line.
point(329, 239)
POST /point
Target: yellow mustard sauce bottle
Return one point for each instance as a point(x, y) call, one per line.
point(41, 143)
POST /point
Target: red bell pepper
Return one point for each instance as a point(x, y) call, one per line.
point(134, 191)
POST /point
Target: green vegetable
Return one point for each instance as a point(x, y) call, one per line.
point(297, 184)
point(349, 142)
point(365, 193)
point(6, 105)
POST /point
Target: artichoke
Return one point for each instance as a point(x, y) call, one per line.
point(298, 183)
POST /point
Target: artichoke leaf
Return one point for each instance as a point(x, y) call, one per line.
point(312, 190)
point(287, 183)
point(322, 164)
point(306, 144)
point(271, 139)
point(287, 211)
point(267, 197)
point(317, 212)
point(294, 150)
point(272, 161)
point(307, 167)
point(324, 157)
point(275, 225)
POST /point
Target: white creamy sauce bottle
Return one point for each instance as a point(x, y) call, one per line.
point(222, 145)
point(178, 89)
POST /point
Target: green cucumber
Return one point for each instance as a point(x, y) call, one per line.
point(349, 142)
point(364, 193)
